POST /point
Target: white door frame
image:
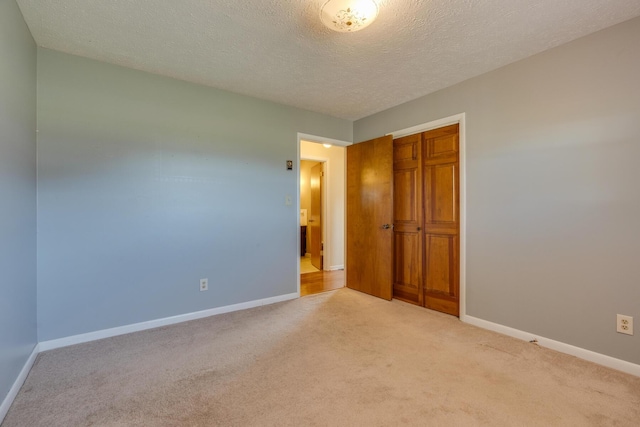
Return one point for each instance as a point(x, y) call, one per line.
point(451, 120)
point(325, 192)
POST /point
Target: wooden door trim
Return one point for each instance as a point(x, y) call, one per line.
point(435, 124)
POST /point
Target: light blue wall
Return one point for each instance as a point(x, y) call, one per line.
point(553, 201)
point(17, 194)
point(147, 184)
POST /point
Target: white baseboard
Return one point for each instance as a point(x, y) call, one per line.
point(15, 388)
point(591, 356)
point(336, 267)
point(121, 330)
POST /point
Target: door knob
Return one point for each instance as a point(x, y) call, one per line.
point(386, 226)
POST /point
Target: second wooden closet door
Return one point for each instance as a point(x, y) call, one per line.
point(426, 219)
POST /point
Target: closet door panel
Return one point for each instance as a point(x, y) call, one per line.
point(441, 283)
point(407, 219)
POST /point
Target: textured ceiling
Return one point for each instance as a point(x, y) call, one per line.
point(278, 50)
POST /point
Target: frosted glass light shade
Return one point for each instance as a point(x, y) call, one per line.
point(348, 15)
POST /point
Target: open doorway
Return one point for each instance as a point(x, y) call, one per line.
point(322, 215)
point(311, 217)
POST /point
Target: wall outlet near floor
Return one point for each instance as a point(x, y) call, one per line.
point(204, 284)
point(624, 324)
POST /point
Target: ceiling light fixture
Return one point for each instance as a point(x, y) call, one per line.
point(327, 145)
point(348, 15)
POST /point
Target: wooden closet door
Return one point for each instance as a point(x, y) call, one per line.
point(369, 217)
point(407, 217)
point(441, 189)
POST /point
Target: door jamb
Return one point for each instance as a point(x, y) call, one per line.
point(320, 140)
point(435, 124)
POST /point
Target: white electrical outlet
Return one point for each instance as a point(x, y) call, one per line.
point(624, 324)
point(204, 284)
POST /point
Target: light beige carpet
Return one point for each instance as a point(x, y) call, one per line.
point(338, 358)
